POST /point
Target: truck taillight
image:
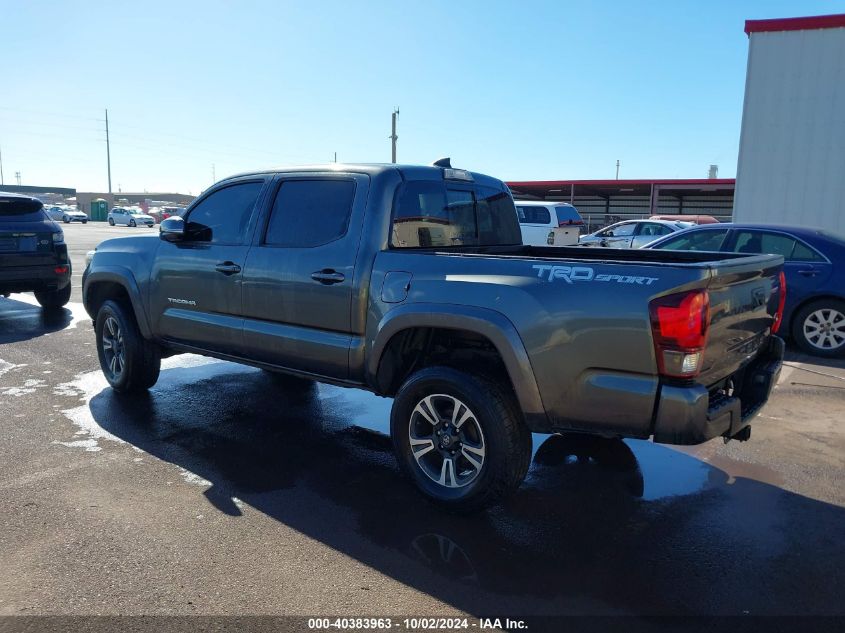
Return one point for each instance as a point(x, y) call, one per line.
point(781, 302)
point(679, 324)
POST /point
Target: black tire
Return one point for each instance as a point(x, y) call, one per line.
point(66, 220)
point(140, 362)
point(54, 299)
point(84, 221)
point(111, 221)
point(819, 328)
point(496, 426)
point(132, 223)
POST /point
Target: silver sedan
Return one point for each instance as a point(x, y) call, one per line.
point(632, 233)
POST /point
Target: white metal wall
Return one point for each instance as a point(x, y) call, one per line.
point(791, 166)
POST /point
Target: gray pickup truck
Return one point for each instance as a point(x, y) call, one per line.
point(412, 282)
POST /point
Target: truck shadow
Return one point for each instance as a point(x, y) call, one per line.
point(20, 321)
point(600, 526)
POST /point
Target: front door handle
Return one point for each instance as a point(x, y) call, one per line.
point(811, 272)
point(327, 276)
point(228, 268)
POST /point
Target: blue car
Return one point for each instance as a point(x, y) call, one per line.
point(814, 314)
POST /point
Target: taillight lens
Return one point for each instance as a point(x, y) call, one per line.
point(781, 302)
point(679, 325)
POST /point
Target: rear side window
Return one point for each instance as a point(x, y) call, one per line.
point(708, 240)
point(533, 215)
point(568, 215)
point(430, 214)
point(654, 230)
point(20, 210)
point(223, 216)
point(309, 213)
point(774, 244)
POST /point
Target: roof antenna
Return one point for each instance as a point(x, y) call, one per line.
point(443, 162)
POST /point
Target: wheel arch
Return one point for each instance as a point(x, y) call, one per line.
point(115, 283)
point(468, 323)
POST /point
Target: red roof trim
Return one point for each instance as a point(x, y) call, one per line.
point(623, 183)
point(795, 24)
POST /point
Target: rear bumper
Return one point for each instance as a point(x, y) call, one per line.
point(34, 278)
point(693, 414)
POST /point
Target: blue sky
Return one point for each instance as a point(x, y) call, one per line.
point(519, 90)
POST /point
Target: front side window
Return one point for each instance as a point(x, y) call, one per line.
point(309, 213)
point(222, 217)
point(706, 240)
point(432, 214)
point(652, 229)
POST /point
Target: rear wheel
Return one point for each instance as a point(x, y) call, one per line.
point(461, 438)
point(52, 299)
point(66, 220)
point(819, 328)
point(111, 221)
point(129, 362)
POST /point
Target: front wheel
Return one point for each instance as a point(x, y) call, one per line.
point(461, 438)
point(819, 328)
point(53, 299)
point(66, 220)
point(111, 221)
point(131, 222)
point(129, 362)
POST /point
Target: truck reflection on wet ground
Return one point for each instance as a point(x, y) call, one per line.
point(600, 525)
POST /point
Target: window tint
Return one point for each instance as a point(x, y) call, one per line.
point(310, 213)
point(20, 209)
point(534, 215)
point(222, 217)
point(757, 242)
point(568, 215)
point(706, 240)
point(803, 253)
point(426, 214)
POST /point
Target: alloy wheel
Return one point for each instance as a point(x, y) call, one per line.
point(824, 329)
point(114, 351)
point(446, 441)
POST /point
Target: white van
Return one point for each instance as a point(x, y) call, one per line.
point(548, 223)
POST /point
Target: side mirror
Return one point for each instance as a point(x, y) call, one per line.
point(172, 229)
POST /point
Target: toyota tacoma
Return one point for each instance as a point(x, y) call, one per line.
point(412, 282)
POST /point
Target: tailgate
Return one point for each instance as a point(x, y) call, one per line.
point(744, 296)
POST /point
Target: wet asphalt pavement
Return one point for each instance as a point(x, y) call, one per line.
point(226, 490)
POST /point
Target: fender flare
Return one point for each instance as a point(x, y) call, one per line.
point(493, 325)
point(124, 277)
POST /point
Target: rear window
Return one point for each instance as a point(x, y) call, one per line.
point(432, 214)
point(20, 209)
point(568, 215)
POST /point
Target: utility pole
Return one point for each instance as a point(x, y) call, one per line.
point(18, 177)
point(2, 180)
point(393, 136)
point(617, 169)
point(335, 157)
point(108, 148)
point(213, 174)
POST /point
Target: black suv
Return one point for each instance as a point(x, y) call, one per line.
point(33, 254)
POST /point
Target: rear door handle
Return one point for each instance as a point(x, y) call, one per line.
point(327, 276)
point(228, 268)
point(811, 272)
